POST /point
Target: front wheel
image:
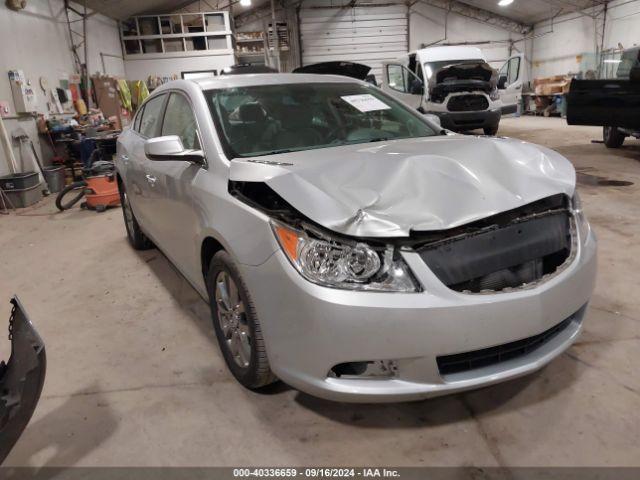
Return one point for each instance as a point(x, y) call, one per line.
point(613, 138)
point(491, 130)
point(236, 324)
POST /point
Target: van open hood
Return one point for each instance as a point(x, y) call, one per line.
point(425, 184)
point(347, 69)
point(460, 77)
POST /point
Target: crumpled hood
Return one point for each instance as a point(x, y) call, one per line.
point(390, 189)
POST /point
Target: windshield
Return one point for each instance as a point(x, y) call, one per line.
point(431, 67)
point(270, 119)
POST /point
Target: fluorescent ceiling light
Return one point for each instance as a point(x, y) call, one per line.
point(612, 61)
point(504, 3)
point(247, 3)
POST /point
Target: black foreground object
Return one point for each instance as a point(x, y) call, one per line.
point(21, 378)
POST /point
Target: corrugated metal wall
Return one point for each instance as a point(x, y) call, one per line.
point(367, 34)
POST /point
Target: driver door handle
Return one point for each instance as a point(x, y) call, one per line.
point(151, 179)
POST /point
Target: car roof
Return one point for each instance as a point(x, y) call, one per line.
point(230, 81)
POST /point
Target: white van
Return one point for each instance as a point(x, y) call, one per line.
point(456, 84)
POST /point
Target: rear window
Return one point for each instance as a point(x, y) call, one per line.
point(136, 124)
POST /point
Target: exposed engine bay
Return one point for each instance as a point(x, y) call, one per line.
point(462, 77)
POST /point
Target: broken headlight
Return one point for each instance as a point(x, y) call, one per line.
point(352, 266)
point(581, 219)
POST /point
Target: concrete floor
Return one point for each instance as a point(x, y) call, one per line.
point(135, 376)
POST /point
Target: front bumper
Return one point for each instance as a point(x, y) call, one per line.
point(308, 329)
point(462, 121)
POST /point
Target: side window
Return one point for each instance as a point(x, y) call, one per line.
point(514, 70)
point(397, 78)
point(504, 71)
point(179, 120)
point(136, 124)
point(151, 116)
point(403, 80)
point(419, 73)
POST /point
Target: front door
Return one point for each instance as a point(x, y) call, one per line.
point(510, 84)
point(174, 220)
point(403, 84)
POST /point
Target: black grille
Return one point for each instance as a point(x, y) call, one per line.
point(467, 103)
point(505, 252)
point(463, 362)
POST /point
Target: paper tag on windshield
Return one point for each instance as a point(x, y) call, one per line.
point(365, 102)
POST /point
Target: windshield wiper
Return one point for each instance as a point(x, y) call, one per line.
point(379, 139)
point(272, 152)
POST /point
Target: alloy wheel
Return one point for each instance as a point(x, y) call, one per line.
point(232, 318)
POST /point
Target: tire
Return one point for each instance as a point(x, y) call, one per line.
point(241, 322)
point(613, 138)
point(137, 239)
point(78, 188)
point(491, 131)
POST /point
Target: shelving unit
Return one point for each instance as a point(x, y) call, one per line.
point(250, 46)
point(187, 34)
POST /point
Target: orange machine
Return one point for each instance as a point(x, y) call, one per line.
point(101, 192)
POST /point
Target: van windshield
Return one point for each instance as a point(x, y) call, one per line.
point(431, 67)
point(271, 119)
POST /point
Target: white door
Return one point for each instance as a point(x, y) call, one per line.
point(401, 83)
point(510, 84)
point(369, 34)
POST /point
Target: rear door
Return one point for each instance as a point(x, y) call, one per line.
point(402, 83)
point(174, 220)
point(510, 83)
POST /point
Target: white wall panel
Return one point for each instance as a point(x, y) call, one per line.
point(569, 44)
point(368, 35)
point(36, 41)
point(427, 27)
point(140, 69)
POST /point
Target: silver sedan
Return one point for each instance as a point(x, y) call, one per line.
point(350, 246)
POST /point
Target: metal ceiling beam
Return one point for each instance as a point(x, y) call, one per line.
point(567, 7)
point(253, 14)
point(480, 15)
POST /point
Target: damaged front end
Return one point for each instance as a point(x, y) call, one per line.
point(326, 258)
point(516, 249)
point(512, 250)
point(21, 378)
point(464, 77)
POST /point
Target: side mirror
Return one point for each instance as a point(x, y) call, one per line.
point(170, 148)
point(433, 119)
point(502, 82)
point(417, 87)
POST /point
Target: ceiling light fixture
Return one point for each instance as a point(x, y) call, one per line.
point(247, 3)
point(504, 3)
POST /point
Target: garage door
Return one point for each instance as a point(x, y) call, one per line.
point(367, 35)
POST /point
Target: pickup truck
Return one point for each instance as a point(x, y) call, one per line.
point(613, 104)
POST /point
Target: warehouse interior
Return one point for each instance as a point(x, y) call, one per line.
point(134, 374)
